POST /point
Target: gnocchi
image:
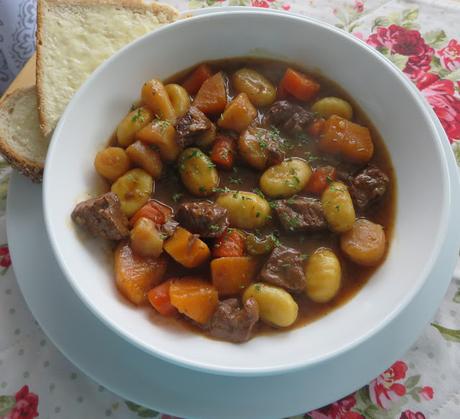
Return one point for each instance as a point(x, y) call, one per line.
point(161, 134)
point(252, 146)
point(285, 179)
point(338, 207)
point(155, 97)
point(133, 189)
point(365, 243)
point(276, 306)
point(198, 172)
point(245, 209)
point(328, 106)
point(131, 124)
point(322, 275)
point(112, 163)
point(146, 158)
point(258, 88)
point(179, 98)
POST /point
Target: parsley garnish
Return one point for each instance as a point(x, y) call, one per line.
point(138, 116)
point(177, 197)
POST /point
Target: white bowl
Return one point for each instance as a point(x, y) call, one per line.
point(382, 91)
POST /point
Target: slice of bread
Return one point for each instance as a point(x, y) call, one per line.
point(76, 36)
point(21, 140)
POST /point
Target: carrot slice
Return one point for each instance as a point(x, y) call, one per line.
point(194, 81)
point(153, 210)
point(159, 298)
point(299, 85)
point(231, 243)
point(223, 152)
point(194, 297)
point(136, 275)
point(320, 179)
point(212, 96)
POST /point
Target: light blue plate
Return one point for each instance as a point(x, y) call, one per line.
point(137, 376)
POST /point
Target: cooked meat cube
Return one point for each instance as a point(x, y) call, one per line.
point(202, 217)
point(234, 323)
point(194, 122)
point(300, 213)
point(284, 268)
point(288, 117)
point(368, 186)
point(102, 217)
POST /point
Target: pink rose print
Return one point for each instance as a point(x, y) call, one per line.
point(426, 393)
point(385, 389)
point(409, 414)
point(440, 95)
point(338, 410)
point(260, 3)
point(359, 6)
point(5, 259)
point(450, 55)
point(408, 42)
point(26, 406)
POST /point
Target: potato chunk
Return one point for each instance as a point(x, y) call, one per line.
point(239, 114)
point(146, 158)
point(338, 207)
point(112, 163)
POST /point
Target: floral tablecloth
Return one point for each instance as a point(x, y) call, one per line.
point(423, 39)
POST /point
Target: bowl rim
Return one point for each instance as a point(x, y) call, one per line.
point(287, 367)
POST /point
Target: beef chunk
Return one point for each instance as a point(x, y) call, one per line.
point(288, 117)
point(202, 217)
point(193, 123)
point(300, 214)
point(368, 186)
point(102, 217)
point(284, 268)
point(234, 323)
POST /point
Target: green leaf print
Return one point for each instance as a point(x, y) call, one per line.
point(435, 39)
point(412, 381)
point(448, 334)
point(6, 404)
point(239, 3)
point(399, 60)
point(141, 411)
point(380, 21)
point(409, 14)
point(454, 76)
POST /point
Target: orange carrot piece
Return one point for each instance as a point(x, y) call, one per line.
point(223, 152)
point(239, 113)
point(316, 127)
point(231, 243)
point(194, 297)
point(159, 298)
point(352, 141)
point(154, 210)
point(231, 275)
point(136, 275)
point(194, 81)
point(186, 248)
point(299, 85)
point(320, 178)
point(212, 96)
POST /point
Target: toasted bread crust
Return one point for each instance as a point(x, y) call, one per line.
point(30, 168)
point(157, 8)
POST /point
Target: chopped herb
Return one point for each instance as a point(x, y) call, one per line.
point(235, 195)
point(273, 204)
point(202, 189)
point(310, 157)
point(138, 116)
point(274, 238)
point(257, 287)
point(235, 170)
point(177, 197)
point(268, 217)
point(303, 256)
point(303, 138)
point(257, 214)
point(162, 124)
point(337, 208)
point(291, 201)
point(329, 180)
point(263, 144)
point(214, 228)
point(257, 191)
point(211, 165)
point(163, 236)
point(235, 180)
point(221, 190)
